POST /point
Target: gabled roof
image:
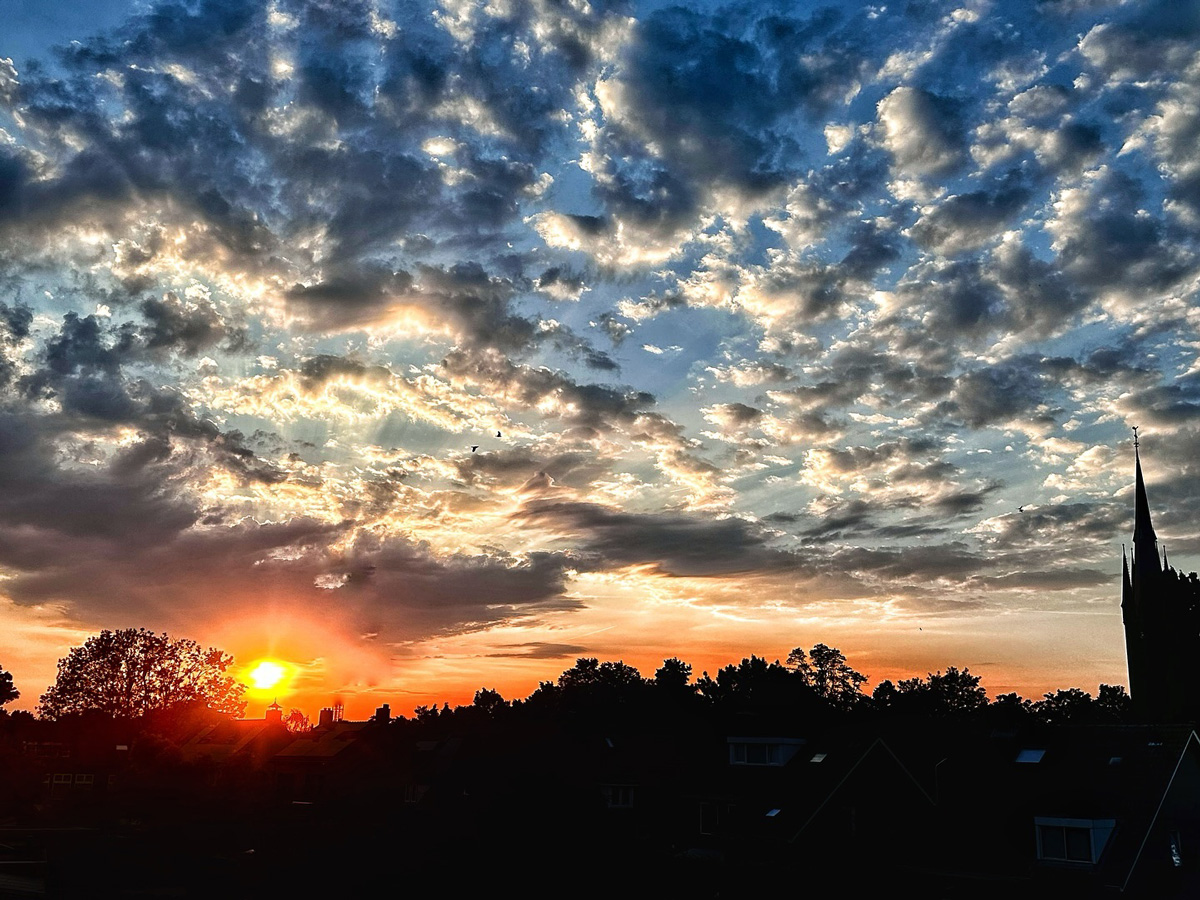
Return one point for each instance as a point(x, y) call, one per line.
point(1123, 773)
point(781, 802)
point(324, 742)
point(229, 738)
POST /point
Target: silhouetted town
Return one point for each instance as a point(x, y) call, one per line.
point(766, 776)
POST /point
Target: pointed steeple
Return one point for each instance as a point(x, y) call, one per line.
point(1125, 583)
point(1143, 529)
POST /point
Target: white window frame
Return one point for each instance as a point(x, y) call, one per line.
point(1098, 831)
point(619, 796)
point(758, 751)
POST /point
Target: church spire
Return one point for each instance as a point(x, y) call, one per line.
point(1143, 529)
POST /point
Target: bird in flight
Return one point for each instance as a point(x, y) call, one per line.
point(1020, 509)
point(497, 434)
point(474, 447)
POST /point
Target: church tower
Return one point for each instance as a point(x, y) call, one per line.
point(1160, 608)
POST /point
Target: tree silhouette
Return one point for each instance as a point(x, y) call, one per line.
point(1011, 706)
point(755, 683)
point(1113, 703)
point(296, 722)
point(1066, 705)
point(824, 670)
point(954, 693)
point(133, 672)
point(674, 675)
point(8, 692)
point(589, 673)
point(489, 701)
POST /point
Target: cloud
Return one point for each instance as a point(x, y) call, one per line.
point(671, 544)
point(963, 222)
point(922, 131)
point(269, 272)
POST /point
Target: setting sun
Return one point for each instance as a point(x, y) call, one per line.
point(266, 674)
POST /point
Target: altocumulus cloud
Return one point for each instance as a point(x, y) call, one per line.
point(342, 303)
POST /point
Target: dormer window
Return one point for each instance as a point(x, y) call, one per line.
point(618, 796)
point(1072, 840)
point(756, 751)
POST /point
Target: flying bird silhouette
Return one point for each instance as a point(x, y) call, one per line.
point(497, 434)
point(1020, 509)
point(474, 447)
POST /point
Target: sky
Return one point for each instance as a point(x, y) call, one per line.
point(429, 346)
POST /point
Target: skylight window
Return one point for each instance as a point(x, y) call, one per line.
point(818, 757)
point(1030, 756)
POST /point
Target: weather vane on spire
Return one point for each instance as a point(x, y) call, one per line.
point(1135, 436)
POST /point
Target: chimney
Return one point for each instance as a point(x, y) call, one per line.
point(326, 717)
point(383, 715)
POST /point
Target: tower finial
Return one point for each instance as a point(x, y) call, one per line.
point(1145, 542)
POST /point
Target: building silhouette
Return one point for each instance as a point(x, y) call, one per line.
point(1160, 607)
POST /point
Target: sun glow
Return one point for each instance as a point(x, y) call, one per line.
point(268, 675)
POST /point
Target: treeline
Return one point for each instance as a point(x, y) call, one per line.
point(134, 673)
point(818, 682)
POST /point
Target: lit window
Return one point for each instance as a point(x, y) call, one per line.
point(1030, 756)
point(772, 813)
point(818, 757)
